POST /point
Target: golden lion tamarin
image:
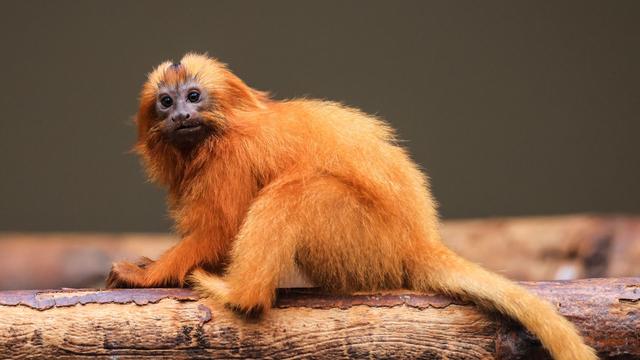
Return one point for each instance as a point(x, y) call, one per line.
point(257, 186)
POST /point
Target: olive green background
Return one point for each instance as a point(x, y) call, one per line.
point(513, 108)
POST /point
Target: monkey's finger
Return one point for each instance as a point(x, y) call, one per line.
point(113, 281)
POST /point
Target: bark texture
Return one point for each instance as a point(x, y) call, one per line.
point(173, 324)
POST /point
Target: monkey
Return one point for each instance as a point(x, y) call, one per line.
point(257, 186)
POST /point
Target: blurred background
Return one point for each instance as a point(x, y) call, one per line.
point(527, 108)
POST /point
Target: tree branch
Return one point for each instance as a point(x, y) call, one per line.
point(172, 323)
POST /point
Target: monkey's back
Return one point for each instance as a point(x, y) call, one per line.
point(371, 202)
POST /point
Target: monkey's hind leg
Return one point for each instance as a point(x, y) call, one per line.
point(263, 249)
point(318, 223)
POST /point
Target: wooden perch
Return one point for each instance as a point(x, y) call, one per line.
point(531, 248)
point(172, 323)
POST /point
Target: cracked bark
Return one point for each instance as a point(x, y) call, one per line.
point(173, 323)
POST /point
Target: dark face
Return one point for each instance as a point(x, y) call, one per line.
point(179, 109)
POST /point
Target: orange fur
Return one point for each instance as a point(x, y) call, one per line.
point(311, 183)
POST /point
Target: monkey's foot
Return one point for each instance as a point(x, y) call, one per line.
point(209, 285)
point(128, 275)
point(215, 287)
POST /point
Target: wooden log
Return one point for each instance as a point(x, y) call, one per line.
point(534, 248)
point(550, 248)
point(173, 324)
point(53, 260)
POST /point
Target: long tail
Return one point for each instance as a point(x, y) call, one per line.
point(453, 275)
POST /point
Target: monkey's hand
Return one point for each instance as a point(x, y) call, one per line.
point(128, 275)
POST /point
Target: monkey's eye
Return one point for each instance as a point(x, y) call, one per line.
point(166, 101)
point(193, 96)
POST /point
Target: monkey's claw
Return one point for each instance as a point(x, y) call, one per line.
point(252, 312)
point(143, 262)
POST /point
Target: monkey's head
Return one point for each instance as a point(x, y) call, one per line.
point(184, 105)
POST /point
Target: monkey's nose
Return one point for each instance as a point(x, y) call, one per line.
point(181, 116)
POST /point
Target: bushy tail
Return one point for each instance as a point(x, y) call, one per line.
point(458, 277)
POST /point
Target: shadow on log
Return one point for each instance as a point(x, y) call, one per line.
point(172, 323)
